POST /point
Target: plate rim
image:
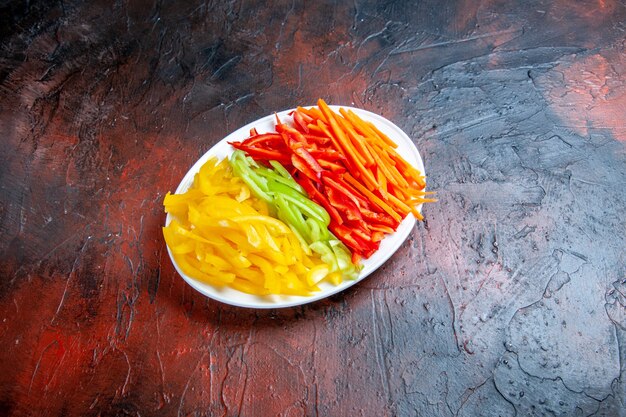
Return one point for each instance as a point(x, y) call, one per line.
point(406, 226)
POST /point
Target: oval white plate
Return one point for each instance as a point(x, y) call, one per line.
point(388, 246)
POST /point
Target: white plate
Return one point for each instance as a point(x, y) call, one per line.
point(388, 246)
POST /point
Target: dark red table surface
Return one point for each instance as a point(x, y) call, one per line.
point(507, 300)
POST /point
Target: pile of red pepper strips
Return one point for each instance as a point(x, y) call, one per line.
point(349, 167)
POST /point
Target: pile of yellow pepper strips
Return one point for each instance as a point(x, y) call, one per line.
point(222, 234)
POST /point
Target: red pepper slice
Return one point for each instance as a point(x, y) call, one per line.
point(343, 233)
point(334, 181)
point(321, 140)
point(298, 120)
point(349, 211)
point(291, 132)
point(266, 140)
point(319, 198)
point(368, 246)
point(358, 245)
point(301, 165)
point(263, 154)
point(363, 236)
point(308, 158)
point(382, 219)
point(307, 119)
point(297, 147)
